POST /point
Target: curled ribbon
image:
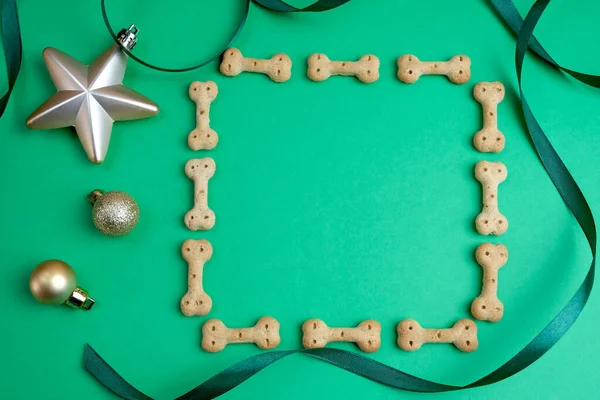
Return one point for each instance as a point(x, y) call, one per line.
point(272, 5)
point(509, 13)
point(352, 362)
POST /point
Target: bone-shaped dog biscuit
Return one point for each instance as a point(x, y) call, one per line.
point(490, 221)
point(489, 139)
point(366, 69)
point(215, 335)
point(203, 137)
point(200, 171)
point(457, 69)
point(463, 335)
point(487, 306)
point(367, 335)
point(278, 67)
point(196, 301)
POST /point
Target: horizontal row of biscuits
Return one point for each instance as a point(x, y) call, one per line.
point(316, 334)
point(365, 69)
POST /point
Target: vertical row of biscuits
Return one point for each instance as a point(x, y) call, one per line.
point(490, 257)
point(198, 252)
point(215, 335)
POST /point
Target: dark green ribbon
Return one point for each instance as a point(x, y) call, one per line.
point(509, 13)
point(237, 32)
point(378, 372)
point(11, 40)
point(352, 362)
point(272, 5)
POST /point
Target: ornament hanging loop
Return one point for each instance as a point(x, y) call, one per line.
point(94, 196)
point(127, 37)
point(121, 39)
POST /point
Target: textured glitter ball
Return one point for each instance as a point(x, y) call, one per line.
point(115, 213)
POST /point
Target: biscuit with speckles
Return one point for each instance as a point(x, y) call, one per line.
point(367, 335)
point(278, 67)
point(457, 69)
point(489, 139)
point(487, 306)
point(265, 334)
point(200, 170)
point(490, 221)
point(196, 301)
point(463, 335)
point(320, 67)
point(203, 137)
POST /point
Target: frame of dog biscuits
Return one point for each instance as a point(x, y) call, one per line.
point(316, 334)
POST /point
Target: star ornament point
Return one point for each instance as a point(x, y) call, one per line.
point(90, 99)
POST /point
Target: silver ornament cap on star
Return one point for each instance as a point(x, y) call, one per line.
point(91, 98)
point(114, 213)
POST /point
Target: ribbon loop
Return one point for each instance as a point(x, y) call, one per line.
point(510, 15)
point(272, 5)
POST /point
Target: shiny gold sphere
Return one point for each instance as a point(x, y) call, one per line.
point(52, 282)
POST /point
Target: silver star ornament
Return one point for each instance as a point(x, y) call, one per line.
point(90, 98)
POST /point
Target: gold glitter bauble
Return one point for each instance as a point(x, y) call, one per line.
point(115, 213)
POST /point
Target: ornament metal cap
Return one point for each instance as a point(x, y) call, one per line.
point(127, 37)
point(54, 282)
point(94, 196)
point(80, 299)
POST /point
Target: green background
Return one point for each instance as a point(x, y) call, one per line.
point(334, 200)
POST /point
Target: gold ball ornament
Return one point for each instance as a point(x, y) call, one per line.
point(114, 213)
point(54, 282)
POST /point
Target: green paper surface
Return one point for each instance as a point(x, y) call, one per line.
point(334, 200)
